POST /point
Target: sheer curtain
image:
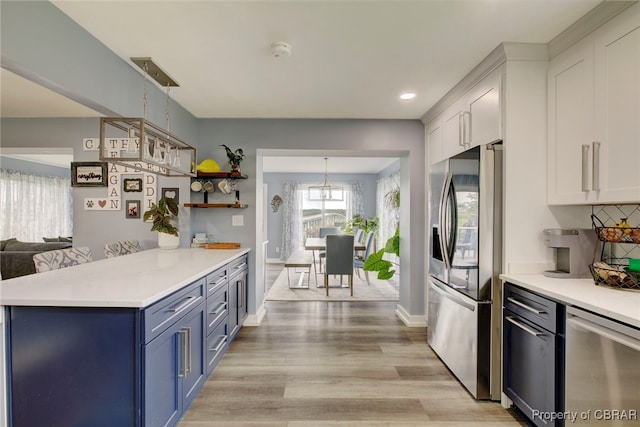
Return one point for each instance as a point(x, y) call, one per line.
point(291, 220)
point(388, 217)
point(33, 207)
point(356, 204)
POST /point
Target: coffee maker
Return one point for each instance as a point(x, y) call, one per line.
point(573, 252)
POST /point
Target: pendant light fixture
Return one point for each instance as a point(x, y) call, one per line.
point(137, 143)
point(326, 191)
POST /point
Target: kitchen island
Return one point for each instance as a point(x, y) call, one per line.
point(125, 341)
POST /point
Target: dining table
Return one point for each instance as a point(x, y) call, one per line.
point(314, 244)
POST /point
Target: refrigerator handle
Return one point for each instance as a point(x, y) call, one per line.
point(447, 234)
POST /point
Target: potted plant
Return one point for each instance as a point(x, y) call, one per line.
point(161, 215)
point(235, 157)
point(376, 261)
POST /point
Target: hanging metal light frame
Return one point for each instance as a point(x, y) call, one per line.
point(325, 191)
point(142, 145)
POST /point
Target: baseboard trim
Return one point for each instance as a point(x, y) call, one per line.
point(256, 319)
point(409, 320)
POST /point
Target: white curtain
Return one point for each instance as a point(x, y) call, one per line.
point(33, 207)
point(355, 197)
point(291, 220)
point(388, 217)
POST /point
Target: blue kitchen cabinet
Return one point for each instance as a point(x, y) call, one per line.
point(175, 369)
point(238, 295)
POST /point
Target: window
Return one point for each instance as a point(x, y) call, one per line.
point(324, 213)
point(33, 207)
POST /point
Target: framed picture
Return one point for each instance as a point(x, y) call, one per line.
point(88, 174)
point(132, 208)
point(132, 185)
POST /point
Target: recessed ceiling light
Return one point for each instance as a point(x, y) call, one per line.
point(407, 95)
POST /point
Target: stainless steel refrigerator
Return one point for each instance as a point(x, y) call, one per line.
point(465, 259)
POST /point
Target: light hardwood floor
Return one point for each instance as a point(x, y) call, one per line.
point(336, 364)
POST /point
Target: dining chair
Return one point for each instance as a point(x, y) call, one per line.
point(61, 258)
point(357, 237)
point(339, 258)
point(358, 262)
point(324, 232)
point(123, 247)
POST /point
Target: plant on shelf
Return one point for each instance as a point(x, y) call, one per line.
point(235, 157)
point(161, 216)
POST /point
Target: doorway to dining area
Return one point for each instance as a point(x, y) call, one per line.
point(311, 192)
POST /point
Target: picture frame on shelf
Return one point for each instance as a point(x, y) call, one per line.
point(89, 174)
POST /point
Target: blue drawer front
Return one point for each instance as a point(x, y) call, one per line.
point(238, 265)
point(168, 310)
point(216, 280)
point(217, 343)
point(217, 308)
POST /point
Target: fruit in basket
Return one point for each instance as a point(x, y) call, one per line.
point(611, 234)
point(603, 269)
point(635, 235)
point(624, 225)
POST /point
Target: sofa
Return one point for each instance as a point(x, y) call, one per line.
point(16, 257)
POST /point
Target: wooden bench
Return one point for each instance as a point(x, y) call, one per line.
point(299, 259)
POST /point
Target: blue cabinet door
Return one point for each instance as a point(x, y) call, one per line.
point(195, 370)
point(163, 368)
point(233, 308)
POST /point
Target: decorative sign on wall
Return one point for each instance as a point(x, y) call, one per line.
point(135, 177)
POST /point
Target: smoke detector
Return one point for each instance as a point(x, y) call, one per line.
point(281, 49)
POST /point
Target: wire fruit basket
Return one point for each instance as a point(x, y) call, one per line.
point(609, 270)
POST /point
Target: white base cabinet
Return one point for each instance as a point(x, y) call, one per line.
point(594, 116)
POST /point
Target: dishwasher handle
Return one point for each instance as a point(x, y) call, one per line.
point(603, 331)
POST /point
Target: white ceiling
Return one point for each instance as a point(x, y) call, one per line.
point(350, 59)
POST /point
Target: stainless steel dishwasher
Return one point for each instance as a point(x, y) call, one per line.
point(602, 370)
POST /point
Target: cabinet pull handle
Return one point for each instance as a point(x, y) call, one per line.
point(525, 328)
point(466, 127)
point(525, 306)
point(183, 354)
point(219, 308)
point(182, 306)
point(217, 348)
point(461, 130)
point(238, 267)
point(596, 166)
point(241, 282)
point(217, 282)
point(188, 353)
point(585, 167)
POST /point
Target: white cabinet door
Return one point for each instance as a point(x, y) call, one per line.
point(616, 174)
point(570, 125)
point(453, 129)
point(434, 138)
point(485, 119)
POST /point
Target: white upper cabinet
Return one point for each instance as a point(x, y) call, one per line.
point(594, 116)
point(474, 119)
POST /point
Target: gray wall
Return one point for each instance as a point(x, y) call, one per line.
point(275, 182)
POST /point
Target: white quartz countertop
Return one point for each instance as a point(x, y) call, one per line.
point(136, 280)
point(618, 304)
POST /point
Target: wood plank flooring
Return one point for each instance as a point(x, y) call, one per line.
point(336, 364)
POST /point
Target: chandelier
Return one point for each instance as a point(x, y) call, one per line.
point(326, 191)
point(141, 145)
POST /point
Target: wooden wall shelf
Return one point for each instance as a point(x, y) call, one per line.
point(222, 175)
point(216, 205)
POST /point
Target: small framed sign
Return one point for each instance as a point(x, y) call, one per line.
point(89, 174)
point(132, 185)
point(132, 208)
